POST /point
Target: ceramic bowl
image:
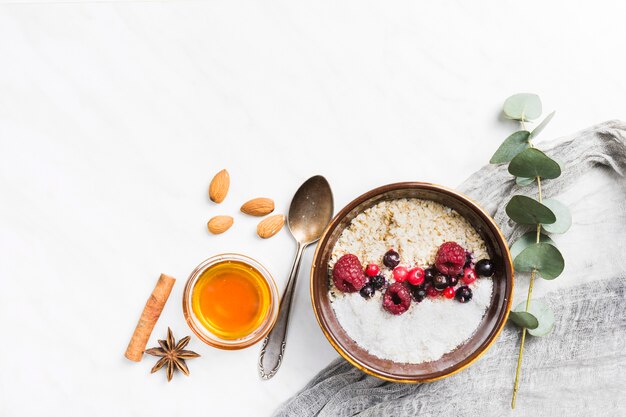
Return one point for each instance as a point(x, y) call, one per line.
point(465, 354)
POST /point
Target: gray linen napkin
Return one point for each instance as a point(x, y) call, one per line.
point(579, 369)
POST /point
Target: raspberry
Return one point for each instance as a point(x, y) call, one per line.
point(397, 298)
point(450, 258)
point(372, 270)
point(348, 274)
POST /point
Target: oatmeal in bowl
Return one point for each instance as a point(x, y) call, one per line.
point(411, 282)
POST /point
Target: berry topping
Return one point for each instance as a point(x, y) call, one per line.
point(378, 282)
point(450, 258)
point(416, 276)
point(367, 291)
point(440, 282)
point(400, 273)
point(448, 292)
point(429, 274)
point(348, 274)
point(453, 280)
point(463, 294)
point(397, 298)
point(469, 275)
point(431, 291)
point(418, 292)
point(372, 270)
point(484, 268)
point(391, 259)
point(469, 259)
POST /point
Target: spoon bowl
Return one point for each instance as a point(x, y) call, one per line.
point(311, 210)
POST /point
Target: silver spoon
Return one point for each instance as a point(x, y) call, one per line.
point(309, 213)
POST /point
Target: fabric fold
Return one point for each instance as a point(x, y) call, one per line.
point(576, 370)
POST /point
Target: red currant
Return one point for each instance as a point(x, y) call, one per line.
point(400, 273)
point(469, 275)
point(449, 292)
point(416, 276)
point(431, 291)
point(372, 270)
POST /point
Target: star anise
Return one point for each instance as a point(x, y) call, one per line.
point(172, 354)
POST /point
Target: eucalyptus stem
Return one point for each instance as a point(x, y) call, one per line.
point(539, 257)
point(530, 293)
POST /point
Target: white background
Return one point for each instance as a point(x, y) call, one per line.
point(115, 115)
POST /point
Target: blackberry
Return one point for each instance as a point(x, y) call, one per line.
point(484, 268)
point(418, 292)
point(429, 274)
point(463, 294)
point(440, 282)
point(367, 291)
point(378, 282)
point(453, 280)
point(391, 259)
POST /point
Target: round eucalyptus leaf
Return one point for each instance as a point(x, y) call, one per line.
point(526, 210)
point(563, 216)
point(537, 130)
point(531, 162)
point(514, 144)
point(523, 106)
point(542, 312)
point(523, 182)
point(545, 258)
point(524, 319)
point(526, 240)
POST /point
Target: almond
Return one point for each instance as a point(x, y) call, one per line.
point(219, 224)
point(219, 186)
point(270, 226)
point(258, 206)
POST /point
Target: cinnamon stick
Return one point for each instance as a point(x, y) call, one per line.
point(149, 317)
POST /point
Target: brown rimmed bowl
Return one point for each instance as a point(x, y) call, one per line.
point(465, 354)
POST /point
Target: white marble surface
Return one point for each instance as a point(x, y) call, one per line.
point(114, 116)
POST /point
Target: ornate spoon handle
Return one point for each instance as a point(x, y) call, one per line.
point(274, 344)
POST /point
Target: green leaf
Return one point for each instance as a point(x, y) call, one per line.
point(541, 311)
point(545, 258)
point(537, 130)
point(532, 162)
point(523, 106)
point(526, 210)
point(526, 240)
point(563, 216)
point(524, 319)
point(511, 146)
point(523, 182)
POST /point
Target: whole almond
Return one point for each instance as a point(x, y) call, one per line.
point(270, 226)
point(258, 206)
point(219, 186)
point(219, 224)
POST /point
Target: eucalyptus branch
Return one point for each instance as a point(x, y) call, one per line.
point(534, 252)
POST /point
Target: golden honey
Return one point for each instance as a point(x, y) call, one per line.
point(231, 299)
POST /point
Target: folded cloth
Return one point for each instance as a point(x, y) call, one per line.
point(577, 370)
